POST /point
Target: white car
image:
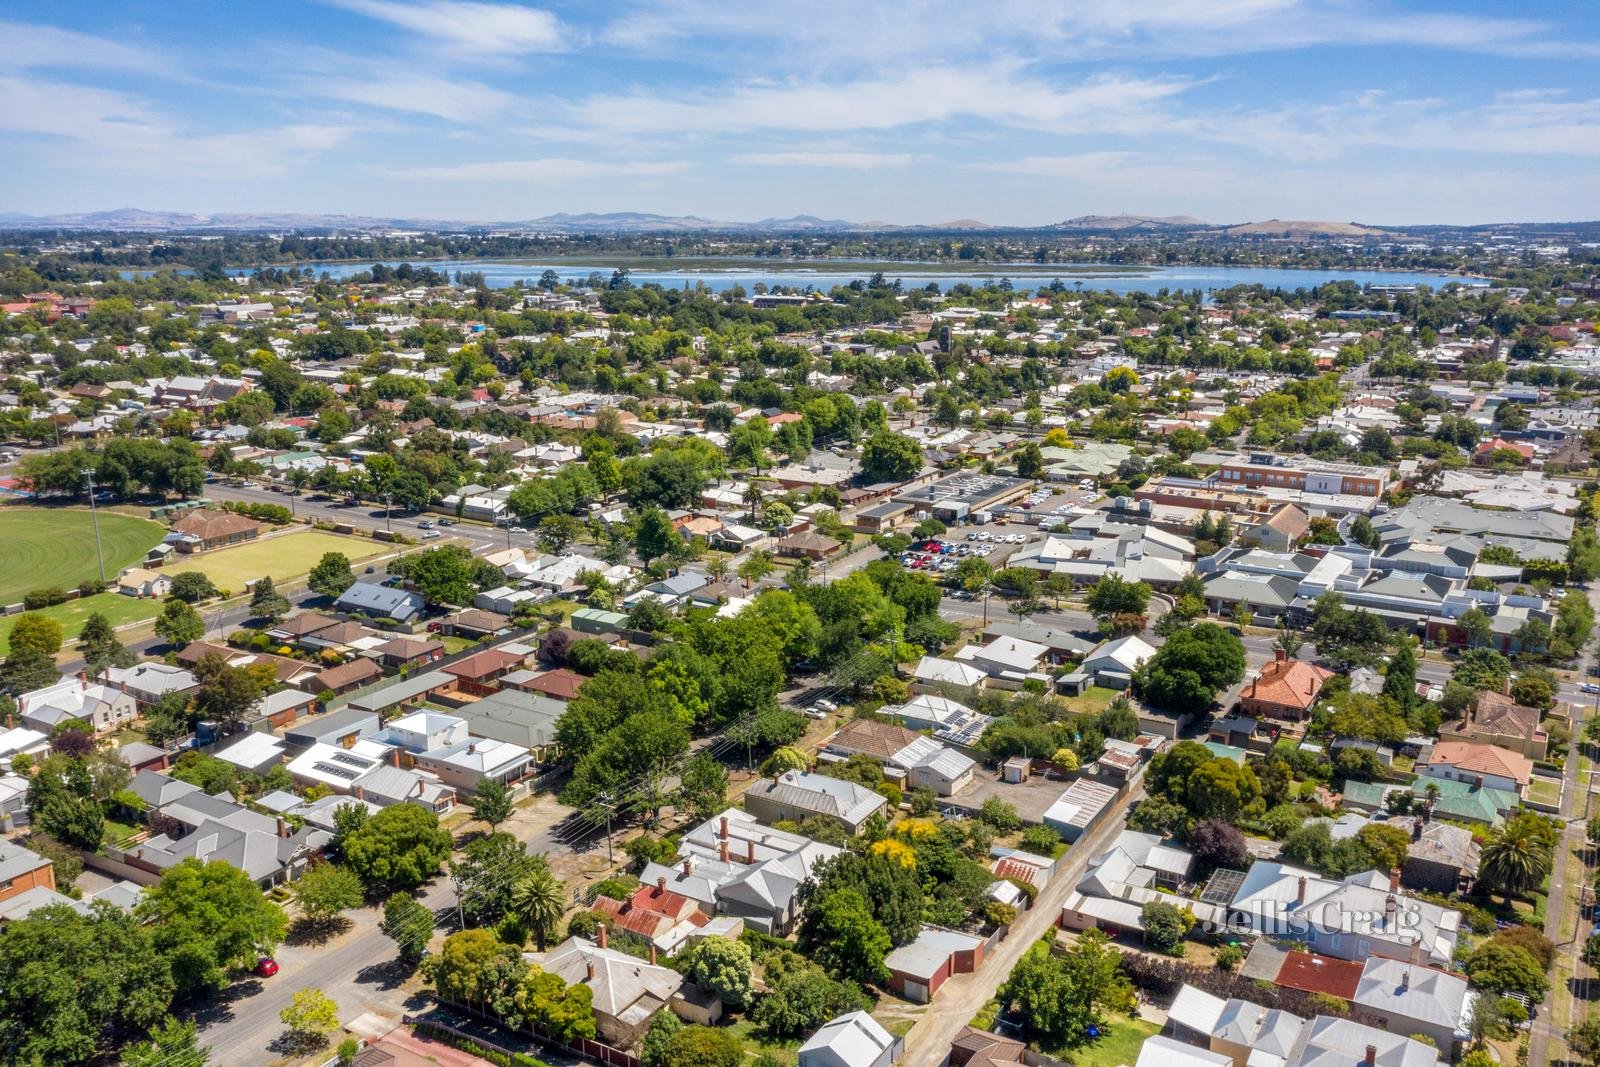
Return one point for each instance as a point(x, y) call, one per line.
point(814, 712)
point(826, 705)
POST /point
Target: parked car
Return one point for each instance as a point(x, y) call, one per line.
point(827, 705)
point(429, 535)
point(447, 522)
point(1590, 687)
point(814, 712)
point(425, 524)
point(266, 968)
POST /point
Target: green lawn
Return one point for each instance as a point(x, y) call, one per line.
point(47, 547)
point(1092, 700)
point(282, 556)
point(119, 610)
point(756, 1044)
point(1118, 1045)
point(1544, 790)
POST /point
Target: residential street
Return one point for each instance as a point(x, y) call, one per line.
point(1564, 924)
point(928, 1042)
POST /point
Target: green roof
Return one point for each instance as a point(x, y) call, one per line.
point(1365, 794)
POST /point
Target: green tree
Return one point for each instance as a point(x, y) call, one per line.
point(1186, 672)
point(839, 932)
point(331, 576)
point(724, 967)
point(538, 901)
point(210, 919)
point(324, 891)
point(1481, 668)
point(1501, 968)
point(800, 996)
point(266, 602)
point(409, 925)
point(1517, 857)
point(663, 1028)
point(1166, 925)
point(654, 535)
point(400, 847)
point(1114, 595)
point(179, 624)
point(226, 694)
point(1475, 626)
point(35, 633)
point(100, 647)
point(171, 1044)
point(702, 786)
point(312, 1017)
point(702, 1046)
point(565, 1012)
point(890, 457)
point(492, 802)
point(192, 587)
point(1400, 680)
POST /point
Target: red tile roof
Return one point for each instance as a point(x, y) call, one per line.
point(1320, 974)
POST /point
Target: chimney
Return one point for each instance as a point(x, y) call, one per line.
point(1372, 1056)
point(1416, 952)
point(1477, 782)
point(1280, 655)
point(283, 827)
point(1405, 979)
point(361, 792)
point(591, 963)
point(1416, 828)
point(1390, 906)
point(421, 786)
point(750, 851)
point(83, 677)
point(1300, 891)
point(1394, 879)
point(602, 935)
point(724, 834)
point(661, 883)
point(394, 757)
point(688, 866)
point(722, 850)
point(776, 777)
point(652, 954)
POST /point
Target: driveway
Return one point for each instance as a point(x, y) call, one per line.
point(928, 1042)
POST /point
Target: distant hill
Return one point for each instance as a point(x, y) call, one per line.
point(1131, 222)
point(1280, 227)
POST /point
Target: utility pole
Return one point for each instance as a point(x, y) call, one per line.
point(605, 800)
point(388, 498)
point(88, 476)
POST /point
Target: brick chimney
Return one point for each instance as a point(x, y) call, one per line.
point(361, 792)
point(1300, 891)
point(83, 677)
point(750, 851)
point(661, 883)
point(591, 966)
point(1372, 1056)
point(421, 786)
point(1416, 952)
point(652, 954)
point(394, 757)
point(1280, 655)
point(688, 866)
point(601, 934)
point(722, 850)
point(1405, 979)
point(1416, 828)
point(724, 832)
point(1477, 782)
point(283, 827)
point(1390, 907)
point(1394, 879)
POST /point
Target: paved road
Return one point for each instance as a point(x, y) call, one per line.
point(357, 969)
point(928, 1042)
point(1562, 924)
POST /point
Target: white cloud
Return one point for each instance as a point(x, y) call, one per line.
point(114, 133)
point(544, 170)
point(419, 93)
point(27, 46)
point(841, 160)
point(996, 92)
point(468, 26)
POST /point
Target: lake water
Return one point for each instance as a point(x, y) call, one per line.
point(824, 275)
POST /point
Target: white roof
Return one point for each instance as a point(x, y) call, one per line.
point(252, 750)
point(934, 669)
point(853, 1040)
point(1125, 651)
point(1161, 1051)
point(1196, 1010)
point(1412, 991)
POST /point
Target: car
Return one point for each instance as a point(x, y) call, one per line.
point(826, 705)
point(447, 522)
point(425, 525)
point(266, 968)
point(429, 535)
point(815, 712)
point(973, 535)
point(1590, 687)
point(435, 627)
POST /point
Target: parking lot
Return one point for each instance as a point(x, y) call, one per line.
point(941, 555)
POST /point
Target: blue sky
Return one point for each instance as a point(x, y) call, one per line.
point(1010, 111)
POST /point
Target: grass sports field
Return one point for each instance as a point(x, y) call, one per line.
point(119, 610)
point(44, 547)
point(283, 556)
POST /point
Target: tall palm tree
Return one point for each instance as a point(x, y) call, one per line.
point(537, 902)
point(1517, 858)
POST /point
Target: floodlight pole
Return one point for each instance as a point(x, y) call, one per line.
point(88, 476)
